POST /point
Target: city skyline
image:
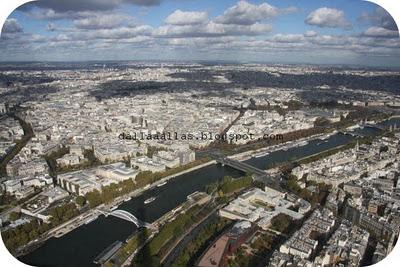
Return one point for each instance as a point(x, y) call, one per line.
point(316, 32)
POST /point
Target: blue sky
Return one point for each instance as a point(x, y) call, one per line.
point(295, 31)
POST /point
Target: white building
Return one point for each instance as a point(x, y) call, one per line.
point(259, 206)
point(12, 185)
point(117, 172)
point(55, 194)
point(147, 164)
point(168, 158)
point(79, 182)
point(84, 181)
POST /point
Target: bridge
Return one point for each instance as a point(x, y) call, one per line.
point(258, 174)
point(127, 216)
point(374, 126)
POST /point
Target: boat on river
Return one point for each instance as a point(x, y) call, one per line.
point(149, 200)
point(262, 154)
point(163, 183)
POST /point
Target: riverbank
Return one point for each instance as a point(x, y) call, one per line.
point(168, 197)
point(93, 214)
point(79, 221)
point(284, 146)
point(19, 144)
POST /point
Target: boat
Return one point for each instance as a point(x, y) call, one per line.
point(353, 127)
point(149, 200)
point(114, 208)
point(91, 220)
point(176, 210)
point(322, 142)
point(326, 137)
point(163, 183)
point(303, 143)
point(261, 154)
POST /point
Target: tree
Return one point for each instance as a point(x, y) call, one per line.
point(80, 200)
point(178, 231)
point(94, 198)
point(14, 216)
point(220, 193)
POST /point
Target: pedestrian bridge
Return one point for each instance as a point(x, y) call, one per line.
point(127, 216)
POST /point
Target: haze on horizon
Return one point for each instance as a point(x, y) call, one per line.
point(289, 31)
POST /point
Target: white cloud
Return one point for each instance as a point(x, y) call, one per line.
point(328, 17)
point(50, 14)
point(211, 29)
point(244, 13)
point(241, 28)
point(11, 26)
point(85, 5)
point(104, 21)
point(380, 18)
point(51, 27)
point(380, 32)
point(114, 34)
point(310, 34)
point(288, 38)
point(179, 17)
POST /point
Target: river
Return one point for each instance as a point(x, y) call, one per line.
point(82, 245)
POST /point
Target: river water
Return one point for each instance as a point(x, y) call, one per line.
point(82, 245)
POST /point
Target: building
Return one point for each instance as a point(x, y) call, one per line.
point(118, 152)
point(352, 188)
point(144, 163)
point(19, 167)
point(218, 252)
point(24, 191)
point(2, 108)
point(186, 156)
point(301, 243)
point(79, 182)
point(260, 207)
point(54, 194)
point(168, 158)
point(376, 225)
point(117, 172)
point(38, 207)
point(68, 160)
point(12, 185)
point(84, 181)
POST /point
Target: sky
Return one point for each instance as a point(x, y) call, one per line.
point(350, 32)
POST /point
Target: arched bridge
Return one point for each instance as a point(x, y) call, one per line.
point(125, 215)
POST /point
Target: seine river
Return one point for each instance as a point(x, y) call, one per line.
point(82, 245)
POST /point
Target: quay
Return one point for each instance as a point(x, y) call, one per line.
point(108, 252)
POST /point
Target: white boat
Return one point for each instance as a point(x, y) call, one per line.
point(261, 154)
point(303, 143)
point(91, 220)
point(114, 208)
point(176, 210)
point(149, 200)
point(163, 183)
point(353, 127)
point(322, 142)
point(325, 137)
